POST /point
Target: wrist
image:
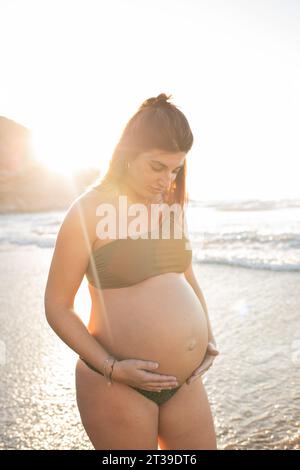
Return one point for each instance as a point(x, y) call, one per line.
point(112, 370)
point(115, 370)
point(108, 368)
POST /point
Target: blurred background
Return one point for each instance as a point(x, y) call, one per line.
point(72, 74)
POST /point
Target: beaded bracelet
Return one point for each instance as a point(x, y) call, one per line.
point(105, 365)
point(112, 368)
point(107, 376)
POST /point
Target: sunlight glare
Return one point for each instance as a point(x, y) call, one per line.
point(54, 150)
point(73, 147)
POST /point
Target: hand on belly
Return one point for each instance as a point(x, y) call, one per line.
point(177, 353)
point(164, 322)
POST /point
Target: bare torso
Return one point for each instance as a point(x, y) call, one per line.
point(159, 319)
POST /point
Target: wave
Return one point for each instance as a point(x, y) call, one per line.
point(248, 263)
point(274, 246)
point(247, 204)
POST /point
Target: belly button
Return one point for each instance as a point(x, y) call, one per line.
point(192, 345)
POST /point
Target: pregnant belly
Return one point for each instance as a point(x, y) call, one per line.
point(160, 319)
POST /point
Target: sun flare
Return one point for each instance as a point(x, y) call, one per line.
point(68, 149)
point(55, 152)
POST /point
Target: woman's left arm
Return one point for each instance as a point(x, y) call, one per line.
point(211, 351)
point(192, 280)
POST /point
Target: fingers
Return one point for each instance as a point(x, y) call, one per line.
point(204, 365)
point(199, 372)
point(196, 376)
point(204, 368)
point(207, 362)
point(162, 386)
point(153, 380)
point(211, 349)
point(160, 381)
point(156, 377)
point(148, 365)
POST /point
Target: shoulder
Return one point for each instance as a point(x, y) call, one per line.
point(86, 204)
point(82, 214)
point(105, 192)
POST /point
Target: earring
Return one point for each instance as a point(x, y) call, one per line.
point(128, 165)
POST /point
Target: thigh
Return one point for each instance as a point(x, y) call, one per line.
point(185, 421)
point(115, 416)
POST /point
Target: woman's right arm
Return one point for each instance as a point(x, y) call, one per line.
point(69, 262)
point(71, 255)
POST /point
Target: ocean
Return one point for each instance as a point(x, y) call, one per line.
point(252, 234)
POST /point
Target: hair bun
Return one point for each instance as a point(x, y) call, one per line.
point(161, 98)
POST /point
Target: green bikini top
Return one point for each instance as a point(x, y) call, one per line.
point(127, 261)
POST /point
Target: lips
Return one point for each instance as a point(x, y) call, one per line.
point(157, 190)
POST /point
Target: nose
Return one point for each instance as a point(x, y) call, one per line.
point(166, 179)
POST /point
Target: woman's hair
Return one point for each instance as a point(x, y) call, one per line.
point(157, 124)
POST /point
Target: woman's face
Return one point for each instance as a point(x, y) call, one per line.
point(153, 172)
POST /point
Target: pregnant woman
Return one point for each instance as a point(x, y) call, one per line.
point(149, 339)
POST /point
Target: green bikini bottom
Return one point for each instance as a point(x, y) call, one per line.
point(158, 397)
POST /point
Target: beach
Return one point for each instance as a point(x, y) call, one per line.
point(253, 386)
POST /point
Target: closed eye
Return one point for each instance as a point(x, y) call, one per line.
point(156, 169)
point(176, 171)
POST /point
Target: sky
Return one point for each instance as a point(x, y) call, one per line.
point(75, 71)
